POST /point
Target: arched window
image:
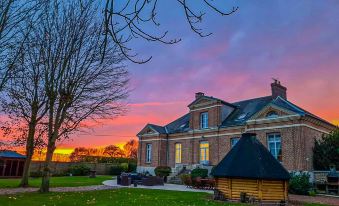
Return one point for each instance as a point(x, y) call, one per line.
point(272, 114)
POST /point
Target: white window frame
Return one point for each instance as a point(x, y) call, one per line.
point(148, 153)
point(204, 120)
point(178, 153)
point(204, 159)
point(234, 141)
point(275, 140)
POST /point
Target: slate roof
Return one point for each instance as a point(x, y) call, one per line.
point(11, 154)
point(211, 98)
point(158, 128)
point(251, 160)
point(243, 111)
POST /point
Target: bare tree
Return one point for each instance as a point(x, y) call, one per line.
point(13, 14)
point(124, 21)
point(24, 100)
point(80, 84)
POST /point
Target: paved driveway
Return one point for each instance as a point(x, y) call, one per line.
point(174, 187)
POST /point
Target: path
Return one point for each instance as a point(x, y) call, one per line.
point(174, 187)
point(316, 199)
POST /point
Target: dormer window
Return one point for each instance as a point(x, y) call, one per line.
point(204, 120)
point(272, 114)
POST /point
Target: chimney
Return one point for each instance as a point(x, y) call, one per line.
point(199, 94)
point(278, 90)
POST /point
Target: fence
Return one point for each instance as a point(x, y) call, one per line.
point(62, 167)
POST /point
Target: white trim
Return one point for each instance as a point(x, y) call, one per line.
point(287, 126)
point(149, 140)
point(218, 105)
point(272, 119)
point(239, 133)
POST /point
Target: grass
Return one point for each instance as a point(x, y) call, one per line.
point(118, 197)
point(67, 181)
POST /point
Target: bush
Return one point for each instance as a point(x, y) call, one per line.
point(299, 184)
point(162, 171)
point(79, 170)
point(132, 167)
point(116, 170)
point(186, 179)
point(124, 167)
point(199, 172)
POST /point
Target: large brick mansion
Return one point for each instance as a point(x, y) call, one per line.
point(212, 126)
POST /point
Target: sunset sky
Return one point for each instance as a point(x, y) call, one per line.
point(294, 41)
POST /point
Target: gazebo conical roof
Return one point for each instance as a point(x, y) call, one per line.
point(250, 159)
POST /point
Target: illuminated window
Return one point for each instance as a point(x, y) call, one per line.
point(148, 153)
point(272, 114)
point(204, 153)
point(204, 120)
point(234, 141)
point(177, 153)
point(274, 145)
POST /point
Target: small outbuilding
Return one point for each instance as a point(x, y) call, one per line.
point(250, 170)
point(11, 164)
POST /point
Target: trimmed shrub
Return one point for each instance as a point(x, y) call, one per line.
point(299, 184)
point(79, 170)
point(124, 167)
point(132, 167)
point(199, 172)
point(116, 170)
point(162, 171)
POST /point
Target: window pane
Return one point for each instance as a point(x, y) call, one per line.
point(177, 153)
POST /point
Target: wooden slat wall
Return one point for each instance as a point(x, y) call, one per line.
point(263, 190)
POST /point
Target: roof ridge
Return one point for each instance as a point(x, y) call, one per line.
point(252, 99)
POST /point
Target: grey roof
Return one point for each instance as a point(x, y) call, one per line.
point(158, 128)
point(243, 111)
point(11, 154)
point(179, 125)
point(211, 98)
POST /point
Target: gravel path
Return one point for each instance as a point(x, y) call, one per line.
point(294, 199)
point(11, 191)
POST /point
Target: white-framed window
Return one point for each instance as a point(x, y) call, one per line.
point(148, 153)
point(234, 141)
point(177, 153)
point(204, 120)
point(274, 145)
point(204, 153)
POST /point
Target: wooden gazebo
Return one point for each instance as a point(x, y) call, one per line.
point(11, 164)
point(250, 170)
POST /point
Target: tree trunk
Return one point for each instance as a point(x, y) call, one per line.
point(29, 154)
point(46, 170)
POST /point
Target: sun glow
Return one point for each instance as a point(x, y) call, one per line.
point(64, 150)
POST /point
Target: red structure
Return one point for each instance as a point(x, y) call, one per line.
point(11, 164)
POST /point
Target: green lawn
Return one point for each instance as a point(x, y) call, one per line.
point(74, 181)
point(117, 197)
